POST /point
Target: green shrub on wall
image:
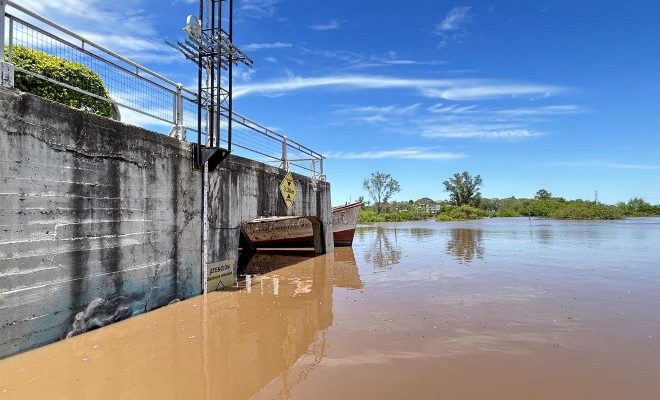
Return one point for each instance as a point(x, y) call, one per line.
point(61, 70)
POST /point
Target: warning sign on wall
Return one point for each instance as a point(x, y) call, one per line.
point(288, 190)
point(221, 275)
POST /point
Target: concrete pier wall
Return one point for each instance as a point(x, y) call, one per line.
point(95, 217)
point(100, 221)
point(241, 190)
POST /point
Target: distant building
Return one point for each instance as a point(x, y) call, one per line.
point(428, 205)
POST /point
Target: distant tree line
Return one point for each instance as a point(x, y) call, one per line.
point(466, 202)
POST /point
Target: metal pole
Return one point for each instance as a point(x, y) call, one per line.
point(178, 116)
point(213, 119)
point(199, 152)
point(231, 77)
point(3, 5)
point(199, 85)
point(10, 45)
point(6, 68)
point(219, 67)
point(285, 162)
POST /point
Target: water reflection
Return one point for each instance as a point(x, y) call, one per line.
point(384, 251)
point(421, 233)
point(546, 310)
point(223, 345)
point(465, 244)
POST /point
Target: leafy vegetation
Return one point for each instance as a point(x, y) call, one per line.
point(466, 204)
point(381, 187)
point(393, 214)
point(543, 194)
point(464, 212)
point(463, 189)
point(580, 209)
point(61, 70)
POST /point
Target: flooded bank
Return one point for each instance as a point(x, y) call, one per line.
point(498, 309)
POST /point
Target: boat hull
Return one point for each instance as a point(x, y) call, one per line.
point(296, 232)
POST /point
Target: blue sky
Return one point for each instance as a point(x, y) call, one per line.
point(561, 95)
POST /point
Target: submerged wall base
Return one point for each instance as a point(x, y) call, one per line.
point(100, 220)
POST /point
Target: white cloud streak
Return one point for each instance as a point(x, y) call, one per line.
point(536, 111)
point(411, 153)
point(266, 46)
point(257, 9)
point(123, 27)
point(327, 26)
point(455, 19)
point(452, 26)
point(478, 131)
point(377, 114)
point(451, 109)
point(490, 91)
point(452, 89)
point(356, 60)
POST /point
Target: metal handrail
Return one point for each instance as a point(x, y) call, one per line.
point(57, 26)
point(249, 123)
point(180, 93)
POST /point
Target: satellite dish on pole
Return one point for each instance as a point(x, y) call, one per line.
point(193, 27)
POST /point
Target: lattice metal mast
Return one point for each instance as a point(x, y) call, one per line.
point(211, 46)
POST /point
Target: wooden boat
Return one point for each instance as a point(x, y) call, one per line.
point(294, 232)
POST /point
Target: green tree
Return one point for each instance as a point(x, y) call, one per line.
point(464, 189)
point(65, 71)
point(381, 187)
point(543, 194)
point(639, 206)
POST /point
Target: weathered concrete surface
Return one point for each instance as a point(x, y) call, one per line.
point(89, 209)
point(100, 220)
point(241, 190)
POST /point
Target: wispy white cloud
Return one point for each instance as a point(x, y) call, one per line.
point(451, 89)
point(124, 27)
point(440, 108)
point(544, 110)
point(478, 131)
point(455, 19)
point(448, 121)
point(411, 153)
point(331, 25)
point(141, 49)
point(295, 83)
point(388, 114)
point(452, 26)
point(608, 164)
point(355, 60)
point(126, 16)
point(257, 8)
point(266, 46)
point(490, 91)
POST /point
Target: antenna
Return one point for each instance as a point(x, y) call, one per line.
point(209, 43)
point(596, 196)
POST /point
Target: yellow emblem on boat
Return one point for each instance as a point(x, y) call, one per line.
point(288, 190)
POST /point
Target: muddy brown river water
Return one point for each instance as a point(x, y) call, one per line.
point(492, 309)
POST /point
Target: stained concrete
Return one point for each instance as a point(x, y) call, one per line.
point(100, 220)
point(242, 190)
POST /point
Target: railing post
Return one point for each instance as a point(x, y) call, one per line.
point(321, 172)
point(6, 69)
point(3, 6)
point(179, 129)
point(285, 161)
